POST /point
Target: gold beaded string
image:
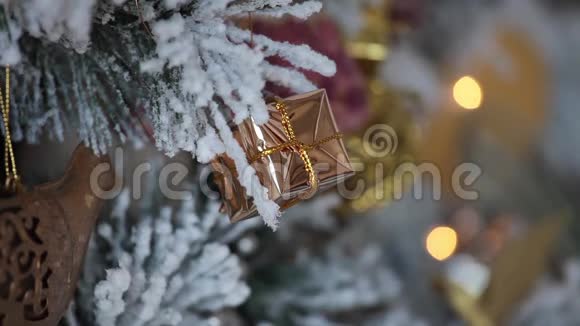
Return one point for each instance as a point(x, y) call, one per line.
point(12, 177)
point(294, 144)
point(281, 107)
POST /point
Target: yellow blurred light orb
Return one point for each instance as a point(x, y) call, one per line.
point(467, 93)
point(441, 242)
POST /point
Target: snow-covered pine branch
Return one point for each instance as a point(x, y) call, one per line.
point(169, 268)
point(314, 289)
point(92, 67)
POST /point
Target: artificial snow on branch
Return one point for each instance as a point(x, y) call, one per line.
point(133, 68)
point(313, 289)
point(92, 65)
point(167, 269)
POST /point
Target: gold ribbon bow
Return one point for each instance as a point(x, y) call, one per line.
point(293, 144)
point(12, 183)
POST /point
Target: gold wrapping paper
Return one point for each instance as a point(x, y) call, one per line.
point(283, 172)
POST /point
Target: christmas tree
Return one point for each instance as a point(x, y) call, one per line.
point(458, 118)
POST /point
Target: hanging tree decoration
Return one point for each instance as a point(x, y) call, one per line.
point(296, 154)
point(44, 233)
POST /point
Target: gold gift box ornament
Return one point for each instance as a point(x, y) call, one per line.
point(297, 153)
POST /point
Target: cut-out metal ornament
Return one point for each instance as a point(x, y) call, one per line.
point(44, 233)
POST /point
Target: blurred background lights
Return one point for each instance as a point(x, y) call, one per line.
point(441, 242)
point(467, 93)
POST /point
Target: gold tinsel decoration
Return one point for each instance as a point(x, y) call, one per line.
point(378, 150)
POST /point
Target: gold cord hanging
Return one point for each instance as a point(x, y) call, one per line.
point(12, 178)
point(142, 19)
point(293, 144)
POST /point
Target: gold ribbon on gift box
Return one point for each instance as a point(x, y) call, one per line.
point(294, 144)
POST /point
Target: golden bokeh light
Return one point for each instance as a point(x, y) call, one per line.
point(468, 93)
point(441, 242)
